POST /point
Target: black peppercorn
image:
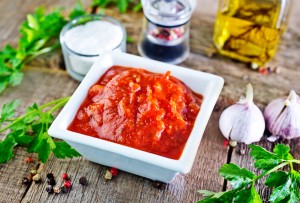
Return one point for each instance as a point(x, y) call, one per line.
point(51, 181)
point(63, 189)
point(49, 189)
point(50, 176)
point(83, 181)
point(159, 185)
point(25, 181)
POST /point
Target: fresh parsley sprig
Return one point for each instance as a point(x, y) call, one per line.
point(31, 131)
point(285, 184)
point(39, 35)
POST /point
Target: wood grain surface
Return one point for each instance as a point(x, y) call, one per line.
point(45, 80)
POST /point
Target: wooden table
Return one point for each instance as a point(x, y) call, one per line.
point(46, 80)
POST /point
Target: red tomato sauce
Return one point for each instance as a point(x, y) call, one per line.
point(133, 107)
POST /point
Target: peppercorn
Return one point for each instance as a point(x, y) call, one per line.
point(49, 189)
point(65, 176)
point(50, 175)
point(25, 181)
point(114, 171)
point(63, 189)
point(36, 178)
point(68, 184)
point(159, 185)
point(33, 172)
point(83, 181)
point(51, 181)
point(56, 190)
point(28, 160)
point(108, 175)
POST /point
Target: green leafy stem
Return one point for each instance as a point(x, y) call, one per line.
point(31, 131)
point(285, 184)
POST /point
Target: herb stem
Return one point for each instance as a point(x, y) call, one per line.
point(65, 99)
point(271, 170)
point(294, 161)
point(59, 105)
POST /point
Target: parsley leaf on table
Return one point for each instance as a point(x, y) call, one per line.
point(31, 130)
point(285, 184)
point(238, 177)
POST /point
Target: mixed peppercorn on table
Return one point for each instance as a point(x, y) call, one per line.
point(45, 80)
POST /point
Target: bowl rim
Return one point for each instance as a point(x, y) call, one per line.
point(185, 162)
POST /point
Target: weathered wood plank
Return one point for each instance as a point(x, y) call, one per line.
point(41, 85)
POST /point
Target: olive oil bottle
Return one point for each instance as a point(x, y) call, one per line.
point(250, 30)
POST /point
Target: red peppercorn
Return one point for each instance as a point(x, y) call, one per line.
point(263, 71)
point(68, 184)
point(114, 171)
point(226, 143)
point(28, 160)
point(65, 176)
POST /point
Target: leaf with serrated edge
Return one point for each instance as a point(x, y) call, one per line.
point(6, 149)
point(248, 195)
point(43, 150)
point(276, 179)
point(237, 176)
point(281, 192)
point(296, 176)
point(63, 150)
point(282, 152)
point(8, 110)
point(266, 164)
point(258, 152)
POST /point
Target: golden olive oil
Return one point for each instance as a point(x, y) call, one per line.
point(248, 30)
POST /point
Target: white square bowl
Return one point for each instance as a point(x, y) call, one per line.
point(125, 158)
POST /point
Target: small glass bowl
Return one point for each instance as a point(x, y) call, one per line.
point(78, 64)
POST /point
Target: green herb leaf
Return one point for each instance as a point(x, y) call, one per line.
point(238, 177)
point(16, 78)
point(217, 197)
point(43, 150)
point(296, 176)
point(287, 192)
point(257, 152)
point(276, 179)
point(8, 110)
point(248, 195)
point(122, 5)
point(77, 11)
point(6, 149)
point(129, 39)
point(264, 159)
point(63, 150)
point(282, 152)
point(266, 164)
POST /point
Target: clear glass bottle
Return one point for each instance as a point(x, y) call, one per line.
point(250, 30)
point(165, 35)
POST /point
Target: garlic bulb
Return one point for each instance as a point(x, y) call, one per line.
point(243, 121)
point(283, 117)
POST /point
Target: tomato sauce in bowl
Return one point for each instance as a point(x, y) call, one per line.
point(140, 109)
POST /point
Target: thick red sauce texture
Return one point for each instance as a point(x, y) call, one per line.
point(133, 107)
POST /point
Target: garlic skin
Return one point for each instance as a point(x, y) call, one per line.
point(282, 117)
point(243, 121)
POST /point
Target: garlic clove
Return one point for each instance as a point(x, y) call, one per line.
point(283, 117)
point(243, 121)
